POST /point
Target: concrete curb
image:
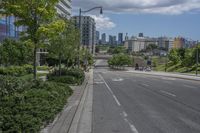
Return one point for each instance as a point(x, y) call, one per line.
point(82, 122)
point(168, 75)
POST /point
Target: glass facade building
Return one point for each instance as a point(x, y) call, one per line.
point(8, 28)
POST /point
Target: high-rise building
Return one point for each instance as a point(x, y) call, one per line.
point(97, 37)
point(112, 40)
point(8, 29)
point(141, 35)
point(126, 37)
point(165, 43)
point(103, 38)
point(88, 32)
point(179, 42)
point(120, 38)
point(64, 8)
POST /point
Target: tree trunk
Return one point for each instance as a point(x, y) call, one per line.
point(60, 64)
point(35, 63)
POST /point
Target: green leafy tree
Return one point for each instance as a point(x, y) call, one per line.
point(34, 15)
point(151, 47)
point(15, 52)
point(120, 60)
point(174, 56)
point(63, 46)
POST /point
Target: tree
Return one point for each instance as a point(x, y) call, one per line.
point(151, 47)
point(63, 46)
point(120, 60)
point(34, 15)
point(14, 52)
point(174, 56)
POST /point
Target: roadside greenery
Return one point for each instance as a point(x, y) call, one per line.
point(37, 20)
point(180, 60)
point(14, 52)
point(117, 50)
point(68, 76)
point(16, 70)
point(26, 106)
point(119, 61)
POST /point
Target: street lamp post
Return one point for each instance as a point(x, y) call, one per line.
point(197, 59)
point(80, 27)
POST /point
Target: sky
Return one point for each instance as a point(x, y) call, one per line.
point(154, 18)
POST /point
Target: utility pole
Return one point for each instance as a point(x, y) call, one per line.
point(80, 27)
point(197, 59)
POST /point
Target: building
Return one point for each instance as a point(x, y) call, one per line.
point(137, 44)
point(179, 42)
point(112, 40)
point(120, 38)
point(88, 32)
point(103, 39)
point(64, 8)
point(165, 43)
point(8, 29)
point(97, 37)
point(141, 35)
point(126, 37)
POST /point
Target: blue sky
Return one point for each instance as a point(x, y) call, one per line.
point(152, 17)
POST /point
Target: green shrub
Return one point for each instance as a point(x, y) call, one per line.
point(42, 68)
point(16, 70)
point(65, 79)
point(72, 76)
point(35, 105)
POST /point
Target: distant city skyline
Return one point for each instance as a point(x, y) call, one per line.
point(154, 18)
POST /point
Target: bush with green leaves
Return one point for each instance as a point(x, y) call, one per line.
point(71, 76)
point(27, 107)
point(120, 60)
point(43, 68)
point(16, 70)
point(14, 52)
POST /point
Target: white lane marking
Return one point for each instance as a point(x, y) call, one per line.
point(124, 114)
point(98, 82)
point(168, 93)
point(146, 85)
point(117, 101)
point(166, 78)
point(188, 86)
point(133, 129)
point(117, 79)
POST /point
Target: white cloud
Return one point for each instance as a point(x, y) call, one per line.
point(142, 6)
point(103, 22)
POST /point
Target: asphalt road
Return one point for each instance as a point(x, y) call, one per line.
point(135, 103)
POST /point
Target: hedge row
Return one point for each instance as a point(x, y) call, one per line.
point(16, 70)
point(27, 106)
point(72, 76)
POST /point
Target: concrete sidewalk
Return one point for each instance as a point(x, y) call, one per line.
point(166, 74)
point(70, 119)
